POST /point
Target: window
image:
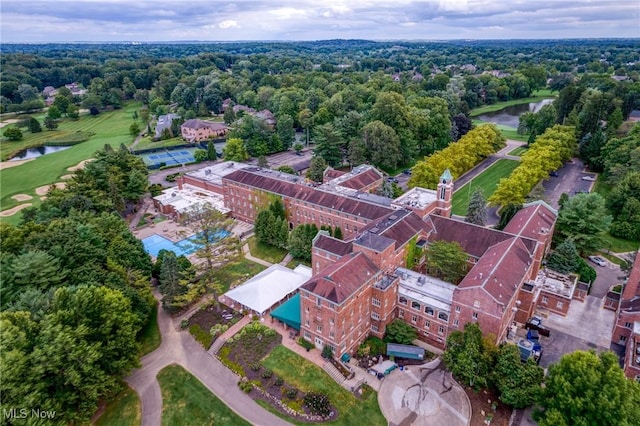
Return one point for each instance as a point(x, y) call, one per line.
point(415, 305)
point(402, 300)
point(559, 305)
point(427, 324)
point(319, 329)
point(476, 304)
point(428, 310)
point(628, 325)
point(443, 316)
point(307, 335)
point(414, 319)
point(306, 322)
point(475, 315)
point(375, 316)
point(375, 301)
point(458, 309)
point(623, 339)
point(331, 335)
point(374, 328)
point(400, 313)
point(440, 330)
point(331, 322)
point(545, 299)
point(455, 322)
point(318, 302)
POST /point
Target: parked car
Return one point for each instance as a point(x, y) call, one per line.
point(392, 179)
point(407, 172)
point(589, 178)
point(598, 260)
point(554, 174)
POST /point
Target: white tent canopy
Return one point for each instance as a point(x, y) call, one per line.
point(269, 287)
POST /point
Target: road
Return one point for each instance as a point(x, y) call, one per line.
point(182, 349)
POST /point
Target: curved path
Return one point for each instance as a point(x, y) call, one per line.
point(182, 349)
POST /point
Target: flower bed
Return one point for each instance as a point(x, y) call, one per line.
point(344, 370)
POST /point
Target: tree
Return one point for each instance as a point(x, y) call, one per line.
point(316, 169)
point(134, 129)
point(506, 214)
point(469, 357)
point(298, 147)
point(327, 144)
point(34, 125)
point(382, 144)
point(447, 260)
point(50, 123)
point(171, 281)
point(477, 210)
point(337, 233)
point(212, 155)
point(13, 134)
point(564, 258)
point(262, 162)
point(588, 389)
point(54, 113)
point(286, 169)
point(234, 150)
point(200, 155)
point(400, 332)
point(518, 382)
point(73, 112)
point(213, 236)
point(229, 114)
point(285, 131)
point(301, 239)
point(584, 220)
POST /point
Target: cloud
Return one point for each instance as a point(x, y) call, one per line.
point(165, 20)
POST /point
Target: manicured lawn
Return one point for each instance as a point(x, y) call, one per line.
point(618, 245)
point(266, 252)
point(519, 151)
point(123, 410)
point(237, 272)
point(487, 180)
point(536, 96)
point(150, 334)
point(146, 143)
point(308, 377)
point(296, 262)
point(110, 127)
point(507, 132)
point(186, 401)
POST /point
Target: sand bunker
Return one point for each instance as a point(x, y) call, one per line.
point(14, 210)
point(42, 190)
point(66, 177)
point(9, 164)
point(80, 165)
point(7, 122)
point(21, 197)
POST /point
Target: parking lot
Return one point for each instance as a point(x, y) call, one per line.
point(569, 181)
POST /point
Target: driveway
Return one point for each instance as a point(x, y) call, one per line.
point(569, 181)
point(423, 395)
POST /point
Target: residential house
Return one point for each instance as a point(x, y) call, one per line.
point(164, 122)
point(196, 130)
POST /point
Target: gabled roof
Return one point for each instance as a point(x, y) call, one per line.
point(332, 245)
point(331, 173)
point(362, 180)
point(533, 220)
point(399, 226)
point(304, 193)
point(196, 123)
point(344, 278)
point(474, 239)
point(501, 269)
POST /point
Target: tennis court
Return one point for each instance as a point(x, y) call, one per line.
point(169, 157)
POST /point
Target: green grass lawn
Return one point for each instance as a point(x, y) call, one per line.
point(308, 377)
point(507, 132)
point(535, 97)
point(617, 245)
point(295, 262)
point(519, 151)
point(150, 334)
point(111, 127)
point(146, 143)
point(237, 272)
point(186, 401)
point(265, 251)
point(487, 180)
point(124, 409)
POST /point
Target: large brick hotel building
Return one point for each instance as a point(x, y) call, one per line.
point(361, 284)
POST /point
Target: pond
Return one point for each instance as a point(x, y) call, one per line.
point(510, 116)
point(25, 154)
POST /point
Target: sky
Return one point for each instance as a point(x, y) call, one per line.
point(26, 21)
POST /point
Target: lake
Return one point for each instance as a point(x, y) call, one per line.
point(37, 152)
point(510, 116)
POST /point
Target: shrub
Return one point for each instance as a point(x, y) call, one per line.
point(290, 393)
point(218, 329)
point(587, 273)
point(305, 343)
point(327, 352)
point(318, 403)
point(279, 381)
point(255, 366)
point(184, 323)
point(245, 386)
point(266, 374)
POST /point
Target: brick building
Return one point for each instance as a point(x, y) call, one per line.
point(196, 130)
point(626, 331)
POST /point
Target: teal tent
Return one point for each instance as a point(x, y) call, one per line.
point(289, 312)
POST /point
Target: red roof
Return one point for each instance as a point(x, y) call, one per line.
point(474, 239)
point(362, 180)
point(399, 226)
point(344, 278)
point(306, 194)
point(332, 245)
point(533, 220)
point(501, 269)
point(631, 292)
point(196, 123)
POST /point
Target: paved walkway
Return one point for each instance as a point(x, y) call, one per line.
point(423, 395)
point(182, 349)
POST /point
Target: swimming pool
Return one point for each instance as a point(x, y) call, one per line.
point(154, 243)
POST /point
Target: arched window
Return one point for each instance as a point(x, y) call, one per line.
point(443, 316)
point(428, 310)
point(402, 300)
point(415, 305)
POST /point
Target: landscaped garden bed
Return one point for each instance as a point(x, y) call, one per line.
point(210, 321)
point(486, 408)
point(244, 354)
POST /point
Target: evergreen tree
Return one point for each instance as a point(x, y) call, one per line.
point(477, 210)
point(564, 258)
point(316, 169)
point(506, 214)
point(34, 125)
point(337, 233)
point(212, 155)
point(277, 208)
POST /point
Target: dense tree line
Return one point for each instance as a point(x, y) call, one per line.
point(75, 293)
